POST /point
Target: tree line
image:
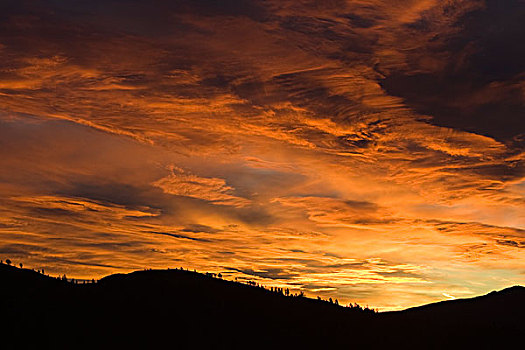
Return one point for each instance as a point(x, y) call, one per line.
point(278, 290)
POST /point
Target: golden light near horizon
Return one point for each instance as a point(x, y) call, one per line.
point(370, 151)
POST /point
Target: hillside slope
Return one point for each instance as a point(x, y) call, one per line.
point(491, 321)
point(158, 307)
point(182, 309)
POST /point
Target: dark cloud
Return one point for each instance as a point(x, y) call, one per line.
point(20, 249)
point(270, 273)
point(195, 228)
point(517, 244)
point(175, 235)
point(480, 87)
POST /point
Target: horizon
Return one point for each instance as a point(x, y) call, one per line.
point(367, 151)
point(250, 283)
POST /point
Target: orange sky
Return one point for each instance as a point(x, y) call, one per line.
point(366, 150)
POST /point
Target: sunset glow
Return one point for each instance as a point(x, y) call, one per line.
point(366, 150)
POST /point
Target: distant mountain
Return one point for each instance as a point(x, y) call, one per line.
point(178, 309)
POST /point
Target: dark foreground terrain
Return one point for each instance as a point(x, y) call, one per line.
point(174, 309)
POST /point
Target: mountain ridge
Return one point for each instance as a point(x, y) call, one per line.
point(152, 308)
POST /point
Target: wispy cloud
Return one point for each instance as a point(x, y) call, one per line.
point(214, 190)
point(366, 150)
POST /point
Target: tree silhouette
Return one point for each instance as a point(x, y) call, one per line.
point(21, 265)
point(8, 262)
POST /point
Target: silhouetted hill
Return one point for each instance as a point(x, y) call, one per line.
point(182, 309)
point(490, 321)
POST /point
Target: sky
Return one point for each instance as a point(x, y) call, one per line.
point(371, 151)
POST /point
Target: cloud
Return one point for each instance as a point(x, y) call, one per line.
point(334, 212)
point(72, 206)
point(209, 189)
point(479, 78)
point(368, 150)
